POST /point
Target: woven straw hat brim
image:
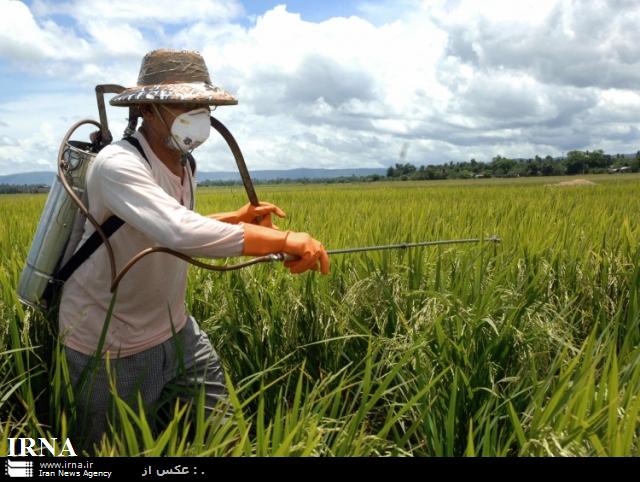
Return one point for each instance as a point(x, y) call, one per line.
point(180, 93)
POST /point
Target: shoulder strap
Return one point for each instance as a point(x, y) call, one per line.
point(110, 226)
point(136, 143)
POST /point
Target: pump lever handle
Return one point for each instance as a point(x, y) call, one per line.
point(105, 135)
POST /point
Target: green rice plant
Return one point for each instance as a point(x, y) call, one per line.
point(528, 348)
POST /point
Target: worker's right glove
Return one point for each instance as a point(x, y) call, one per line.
point(259, 240)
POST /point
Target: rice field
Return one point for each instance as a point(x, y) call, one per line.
point(526, 348)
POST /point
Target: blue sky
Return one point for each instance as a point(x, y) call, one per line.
point(338, 84)
point(312, 11)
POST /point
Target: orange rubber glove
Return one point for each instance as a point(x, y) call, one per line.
point(259, 240)
point(248, 214)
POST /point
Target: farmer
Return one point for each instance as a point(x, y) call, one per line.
point(154, 197)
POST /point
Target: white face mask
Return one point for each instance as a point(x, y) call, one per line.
point(190, 129)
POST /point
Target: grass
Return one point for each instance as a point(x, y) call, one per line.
point(528, 348)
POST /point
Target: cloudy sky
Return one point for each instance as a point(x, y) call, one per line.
point(338, 84)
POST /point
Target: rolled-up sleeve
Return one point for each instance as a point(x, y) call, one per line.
point(128, 189)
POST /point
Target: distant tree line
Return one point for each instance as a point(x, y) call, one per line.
point(303, 180)
point(575, 162)
point(23, 188)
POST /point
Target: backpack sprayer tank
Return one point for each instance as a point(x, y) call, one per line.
point(62, 222)
point(61, 218)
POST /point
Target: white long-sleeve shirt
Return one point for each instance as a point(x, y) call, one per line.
point(154, 205)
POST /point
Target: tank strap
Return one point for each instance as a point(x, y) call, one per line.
point(110, 226)
point(136, 143)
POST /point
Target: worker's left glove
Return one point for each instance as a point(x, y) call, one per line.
point(249, 214)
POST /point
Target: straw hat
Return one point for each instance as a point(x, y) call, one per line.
point(172, 77)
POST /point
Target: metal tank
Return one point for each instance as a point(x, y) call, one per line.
point(60, 218)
